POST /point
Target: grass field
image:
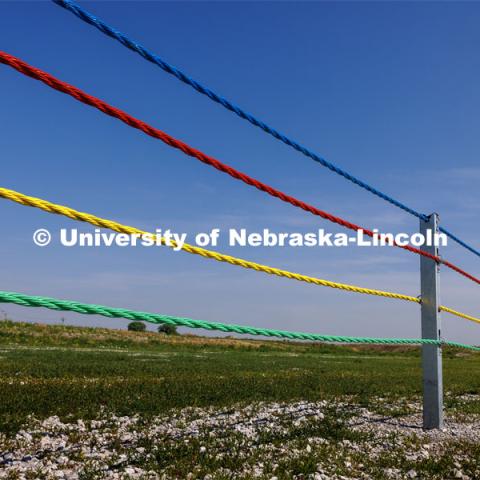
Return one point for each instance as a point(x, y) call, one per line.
point(91, 374)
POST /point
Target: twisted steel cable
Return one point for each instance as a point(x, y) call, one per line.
point(118, 227)
point(89, 309)
point(49, 207)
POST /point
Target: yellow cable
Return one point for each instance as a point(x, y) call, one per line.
point(118, 227)
point(460, 314)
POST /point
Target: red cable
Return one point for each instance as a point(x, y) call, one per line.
point(458, 270)
point(83, 97)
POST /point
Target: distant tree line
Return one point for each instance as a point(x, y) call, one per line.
point(164, 328)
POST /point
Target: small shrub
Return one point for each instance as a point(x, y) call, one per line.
point(137, 327)
point(167, 329)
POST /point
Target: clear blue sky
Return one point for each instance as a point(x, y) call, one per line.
point(389, 91)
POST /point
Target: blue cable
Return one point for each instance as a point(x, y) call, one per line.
point(151, 57)
point(456, 239)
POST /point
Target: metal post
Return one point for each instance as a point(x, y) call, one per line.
point(431, 354)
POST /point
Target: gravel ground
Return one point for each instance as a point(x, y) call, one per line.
point(322, 440)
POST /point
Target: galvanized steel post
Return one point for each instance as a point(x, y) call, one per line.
point(431, 354)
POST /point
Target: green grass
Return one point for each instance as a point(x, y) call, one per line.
point(73, 372)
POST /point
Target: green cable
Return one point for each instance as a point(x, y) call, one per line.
point(89, 309)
